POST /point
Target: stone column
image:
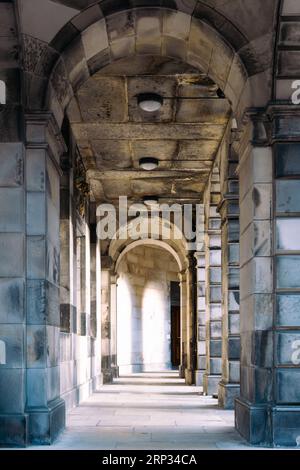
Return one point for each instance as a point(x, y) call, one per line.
point(13, 419)
point(201, 322)
point(200, 296)
point(106, 358)
point(229, 387)
point(45, 409)
point(268, 411)
point(190, 322)
point(113, 319)
point(212, 375)
point(95, 308)
point(183, 324)
point(67, 237)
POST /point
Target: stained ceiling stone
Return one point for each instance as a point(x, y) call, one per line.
point(113, 133)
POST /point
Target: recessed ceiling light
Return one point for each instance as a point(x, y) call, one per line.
point(148, 163)
point(150, 102)
point(150, 200)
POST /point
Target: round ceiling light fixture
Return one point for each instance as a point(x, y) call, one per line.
point(150, 102)
point(150, 200)
point(148, 163)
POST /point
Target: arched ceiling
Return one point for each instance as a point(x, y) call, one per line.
point(113, 133)
point(106, 52)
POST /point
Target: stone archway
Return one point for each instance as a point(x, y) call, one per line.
point(238, 56)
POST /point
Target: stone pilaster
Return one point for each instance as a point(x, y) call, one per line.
point(13, 418)
point(201, 325)
point(95, 307)
point(229, 387)
point(268, 411)
point(212, 375)
point(44, 407)
point(67, 239)
point(183, 324)
point(191, 336)
point(113, 320)
point(106, 327)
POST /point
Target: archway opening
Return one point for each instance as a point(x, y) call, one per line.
point(148, 311)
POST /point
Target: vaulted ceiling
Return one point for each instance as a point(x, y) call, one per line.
point(113, 133)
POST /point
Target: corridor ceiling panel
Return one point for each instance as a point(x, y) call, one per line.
point(113, 133)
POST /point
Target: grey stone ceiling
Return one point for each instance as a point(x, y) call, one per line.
point(113, 133)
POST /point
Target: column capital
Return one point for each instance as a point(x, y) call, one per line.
point(42, 131)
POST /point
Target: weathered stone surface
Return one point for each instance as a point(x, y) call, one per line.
point(11, 244)
point(14, 401)
point(11, 155)
point(11, 300)
point(94, 39)
point(288, 386)
point(36, 257)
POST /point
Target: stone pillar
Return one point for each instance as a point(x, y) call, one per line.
point(201, 316)
point(95, 308)
point(183, 324)
point(13, 419)
point(229, 387)
point(67, 237)
point(106, 357)
point(44, 407)
point(190, 322)
point(212, 375)
point(113, 320)
point(268, 411)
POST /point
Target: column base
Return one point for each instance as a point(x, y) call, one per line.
point(199, 377)
point(115, 372)
point(45, 425)
point(211, 384)
point(181, 371)
point(227, 393)
point(189, 376)
point(263, 425)
point(14, 430)
point(107, 376)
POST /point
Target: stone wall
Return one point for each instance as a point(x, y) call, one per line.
point(144, 308)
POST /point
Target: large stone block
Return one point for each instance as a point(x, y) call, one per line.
point(234, 323)
point(36, 257)
point(14, 430)
point(288, 386)
point(36, 387)
point(286, 425)
point(11, 157)
point(12, 391)
point(36, 216)
point(46, 425)
point(35, 170)
point(36, 346)
point(13, 338)
point(234, 348)
point(95, 39)
point(215, 329)
point(252, 423)
point(11, 255)
point(176, 24)
point(53, 385)
point(215, 365)
point(288, 310)
point(12, 301)
point(262, 348)
point(287, 348)
point(42, 303)
point(215, 348)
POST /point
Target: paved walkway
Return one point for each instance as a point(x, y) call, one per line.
point(149, 411)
